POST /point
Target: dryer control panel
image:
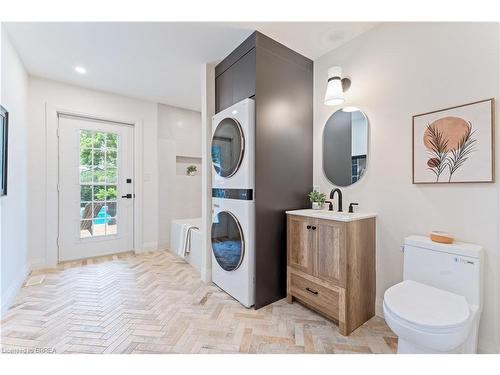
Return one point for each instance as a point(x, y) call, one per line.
point(240, 194)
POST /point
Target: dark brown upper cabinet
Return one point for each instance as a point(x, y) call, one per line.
point(236, 83)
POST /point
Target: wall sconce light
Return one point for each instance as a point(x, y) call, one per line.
point(336, 86)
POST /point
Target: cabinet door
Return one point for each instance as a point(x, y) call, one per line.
point(224, 90)
point(300, 243)
point(330, 255)
point(244, 77)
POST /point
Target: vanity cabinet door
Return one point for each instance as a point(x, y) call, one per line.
point(330, 252)
point(300, 243)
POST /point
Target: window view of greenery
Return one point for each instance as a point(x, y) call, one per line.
point(98, 183)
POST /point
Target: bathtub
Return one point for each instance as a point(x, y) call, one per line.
point(194, 256)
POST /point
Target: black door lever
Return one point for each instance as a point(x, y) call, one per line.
point(128, 196)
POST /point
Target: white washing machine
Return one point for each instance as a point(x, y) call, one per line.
point(233, 249)
point(233, 146)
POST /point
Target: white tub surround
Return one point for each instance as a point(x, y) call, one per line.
point(178, 231)
point(179, 146)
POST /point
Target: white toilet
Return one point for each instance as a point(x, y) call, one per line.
point(437, 308)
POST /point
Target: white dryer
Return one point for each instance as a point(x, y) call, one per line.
point(233, 146)
point(233, 249)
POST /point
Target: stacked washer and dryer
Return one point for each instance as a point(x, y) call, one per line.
point(262, 154)
point(233, 206)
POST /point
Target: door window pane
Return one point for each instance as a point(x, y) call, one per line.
point(85, 208)
point(111, 175)
point(99, 174)
point(85, 193)
point(99, 140)
point(98, 183)
point(111, 209)
point(111, 193)
point(99, 158)
point(111, 140)
point(86, 228)
point(85, 174)
point(111, 159)
point(86, 157)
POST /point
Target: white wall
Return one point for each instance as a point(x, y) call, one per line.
point(183, 126)
point(14, 253)
point(179, 145)
point(398, 70)
point(68, 97)
point(207, 111)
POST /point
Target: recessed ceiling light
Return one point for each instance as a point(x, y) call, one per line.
point(80, 69)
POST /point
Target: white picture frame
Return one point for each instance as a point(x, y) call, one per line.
point(454, 145)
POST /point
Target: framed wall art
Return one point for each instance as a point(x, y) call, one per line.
point(454, 145)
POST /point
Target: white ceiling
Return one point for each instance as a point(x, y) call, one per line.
point(162, 61)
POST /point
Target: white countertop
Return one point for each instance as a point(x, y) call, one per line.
point(332, 215)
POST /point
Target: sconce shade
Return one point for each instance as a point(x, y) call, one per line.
point(334, 91)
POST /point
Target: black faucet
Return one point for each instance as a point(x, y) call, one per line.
point(330, 205)
point(332, 194)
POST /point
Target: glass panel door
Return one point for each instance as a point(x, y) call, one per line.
point(98, 183)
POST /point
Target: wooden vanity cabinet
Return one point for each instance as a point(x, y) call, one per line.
point(331, 268)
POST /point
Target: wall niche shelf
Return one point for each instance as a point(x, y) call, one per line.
point(182, 162)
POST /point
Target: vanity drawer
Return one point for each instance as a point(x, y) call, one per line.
point(318, 296)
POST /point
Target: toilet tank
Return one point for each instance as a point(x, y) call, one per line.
point(456, 268)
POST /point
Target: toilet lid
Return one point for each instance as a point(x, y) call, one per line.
point(426, 306)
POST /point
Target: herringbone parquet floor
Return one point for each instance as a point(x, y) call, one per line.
point(156, 303)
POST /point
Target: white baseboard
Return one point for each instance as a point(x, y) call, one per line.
point(38, 263)
point(148, 246)
point(11, 292)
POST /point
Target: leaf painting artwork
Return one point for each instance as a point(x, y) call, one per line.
point(449, 142)
point(454, 144)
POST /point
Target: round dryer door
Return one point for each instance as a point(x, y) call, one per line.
point(228, 145)
point(228, 243)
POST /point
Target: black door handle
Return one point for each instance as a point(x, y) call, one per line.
point(128, 196)
point(313, 227)
point(308, 227)
point(311, 291)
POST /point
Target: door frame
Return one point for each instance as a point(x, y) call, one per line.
point(52, 176)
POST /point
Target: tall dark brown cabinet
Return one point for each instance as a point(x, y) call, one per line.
point(281, 82)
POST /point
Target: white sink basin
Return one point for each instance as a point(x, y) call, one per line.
point(332, 215)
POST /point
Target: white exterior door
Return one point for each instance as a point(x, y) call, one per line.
point(96, 190)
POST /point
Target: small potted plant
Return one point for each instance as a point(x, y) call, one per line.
point(191, 170)
point(317, 199)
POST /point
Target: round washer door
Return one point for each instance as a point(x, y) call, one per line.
point(228, 146)
point(228, 244)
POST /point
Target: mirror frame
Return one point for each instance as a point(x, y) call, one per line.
point(367, 147)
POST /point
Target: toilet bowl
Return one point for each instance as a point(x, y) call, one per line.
point(437, 307)
point(427, 319)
